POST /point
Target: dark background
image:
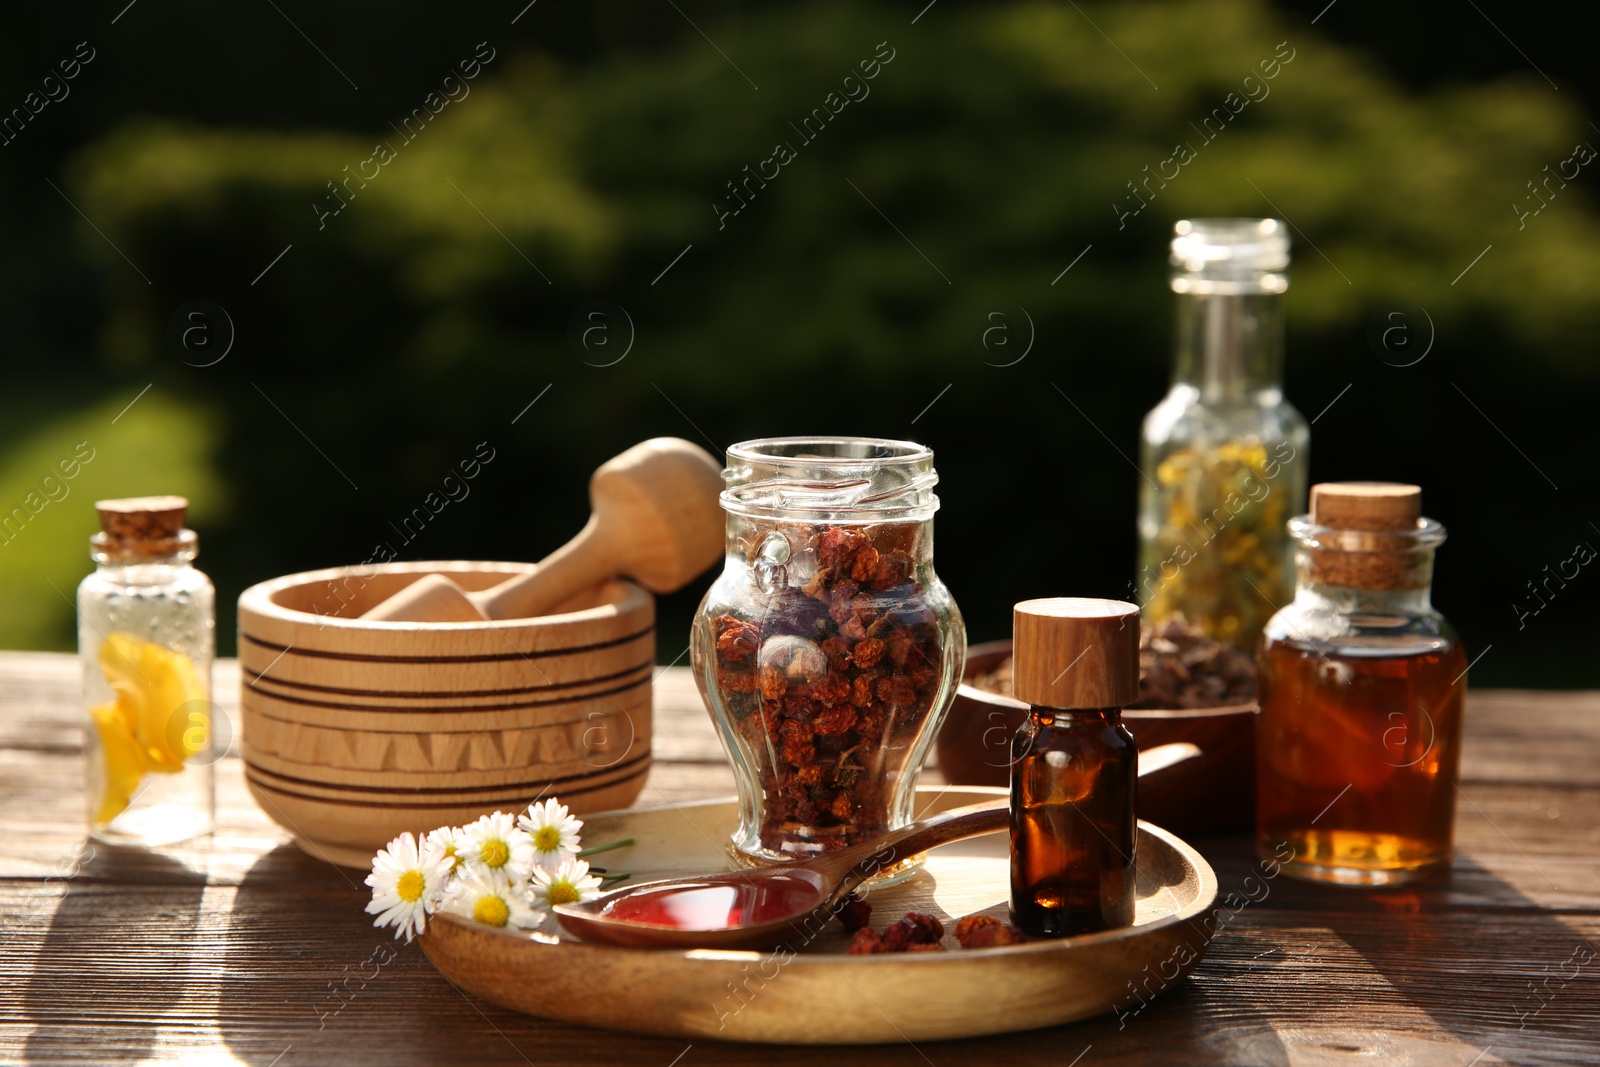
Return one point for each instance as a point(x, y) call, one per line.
point(378, 351)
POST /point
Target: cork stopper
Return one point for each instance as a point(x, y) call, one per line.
point(1073, 652)
point(142, 518)
point(1375, 549)
point(1384, 506)
point(141, 526)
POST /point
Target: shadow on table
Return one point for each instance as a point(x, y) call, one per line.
point(309, 980)
point(116, 958)
point(304, 964)
point(1469, 952)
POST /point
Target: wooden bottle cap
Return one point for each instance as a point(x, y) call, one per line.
point(1074, 652)
point(1382, 506)
point(142, 518)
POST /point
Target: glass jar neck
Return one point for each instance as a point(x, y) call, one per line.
point(1312, 589)
point(1352, 600)
point(1230, 345)
point(1383, 572)
point(830, 480)
point(151, 563)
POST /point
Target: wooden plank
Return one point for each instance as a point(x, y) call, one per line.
point(1511, 735)
point(1511, 852)
point(263, 955)
point(1532, 736)
point(230, 952)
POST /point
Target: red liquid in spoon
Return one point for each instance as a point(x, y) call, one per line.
point(715, 905)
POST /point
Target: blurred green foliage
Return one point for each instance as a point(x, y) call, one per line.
point(154, 446)
point(999, 140)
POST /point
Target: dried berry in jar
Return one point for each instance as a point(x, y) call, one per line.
point(831, 684)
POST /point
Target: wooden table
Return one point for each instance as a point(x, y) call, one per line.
point(232, 952)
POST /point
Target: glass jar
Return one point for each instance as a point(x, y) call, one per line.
point(1224, 455)
point(146, 639)
point(1361, 687)
point(828, 650)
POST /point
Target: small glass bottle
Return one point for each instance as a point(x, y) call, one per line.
point(1224, 455)
point(1361, 687)
point(146, 638)
point(1074, 766)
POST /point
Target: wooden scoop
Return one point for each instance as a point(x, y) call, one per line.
point(656, 518)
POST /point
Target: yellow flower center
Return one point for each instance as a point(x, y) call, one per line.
point(450, 854)
point(410, 886)
point(494, 853)
point(561, 893)
point(491, 911)
point(547, 839)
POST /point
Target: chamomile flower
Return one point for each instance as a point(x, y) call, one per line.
point(406, 882)
point(571, 883)
point(489, 900)
point(494, 846)
point(554, 833)
point(451, 841)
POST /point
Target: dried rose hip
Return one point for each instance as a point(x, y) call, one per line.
point(854, 912)
point(867, 653)
point(967, 925)
point(915, 929)
point(866, 942)
point(736, 641)
point(995, 936)
point(985, 931)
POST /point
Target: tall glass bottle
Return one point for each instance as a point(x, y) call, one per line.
point(146, 637)
point(1224, 455)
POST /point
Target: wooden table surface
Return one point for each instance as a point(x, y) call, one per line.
point(230, 952)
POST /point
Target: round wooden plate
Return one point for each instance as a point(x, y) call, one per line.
point(814, 993)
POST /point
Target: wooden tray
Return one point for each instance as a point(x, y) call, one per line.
point(820, 995)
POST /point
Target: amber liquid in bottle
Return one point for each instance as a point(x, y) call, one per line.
point(1073, 777)
point(1358, 759)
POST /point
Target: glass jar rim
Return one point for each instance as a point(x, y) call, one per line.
point(830, 479)
point(1427, 534)
point(817, 449)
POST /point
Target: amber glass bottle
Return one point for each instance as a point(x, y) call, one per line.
point(1074, 766)
point(1361, 688)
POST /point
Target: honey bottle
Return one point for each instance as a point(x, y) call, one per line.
point(1361, 689)
point(1074, 766)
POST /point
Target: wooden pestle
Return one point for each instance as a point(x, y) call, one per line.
point(656, 519)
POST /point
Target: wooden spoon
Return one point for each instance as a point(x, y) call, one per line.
point(793, 899)
point(656, 518)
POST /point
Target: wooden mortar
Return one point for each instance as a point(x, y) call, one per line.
point(353, 731)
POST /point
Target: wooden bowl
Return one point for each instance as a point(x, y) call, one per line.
point(813, 992)
point(353, 731)
point(1217, 795)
